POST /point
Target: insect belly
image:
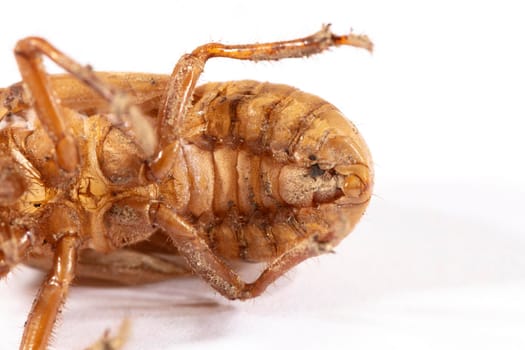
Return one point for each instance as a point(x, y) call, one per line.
point(220, 196)
point(259, 159)
point(235, 201)
point(233, 174)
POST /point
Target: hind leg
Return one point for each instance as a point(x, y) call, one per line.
point(123, 266)
point(179, 92)
point(126, 266)
point(210, 267)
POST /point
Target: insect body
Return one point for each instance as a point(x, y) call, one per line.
point(99, 171)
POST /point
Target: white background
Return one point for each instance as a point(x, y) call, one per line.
point(438, 262)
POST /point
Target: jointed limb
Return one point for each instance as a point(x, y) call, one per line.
point(127, 266)
point(123, 266)
point(28, 54)
point(115, 342)
point(205, 263)
point(51, 296)
point(177, 99)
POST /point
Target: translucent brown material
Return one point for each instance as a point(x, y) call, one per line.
point(107, 175)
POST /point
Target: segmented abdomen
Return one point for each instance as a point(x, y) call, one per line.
point(236, 141)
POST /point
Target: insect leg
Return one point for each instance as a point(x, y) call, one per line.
point(28, 54)
point(179, 91)
point(51, 296)
point(107, 342)
point(213, 270)
point(197, 253)
point(127, 266)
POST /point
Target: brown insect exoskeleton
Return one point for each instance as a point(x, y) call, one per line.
point(100, 173)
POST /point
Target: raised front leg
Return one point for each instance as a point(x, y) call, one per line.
point(205, 263)
point(187, 71)
point(51, 296)
point(128, 118)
